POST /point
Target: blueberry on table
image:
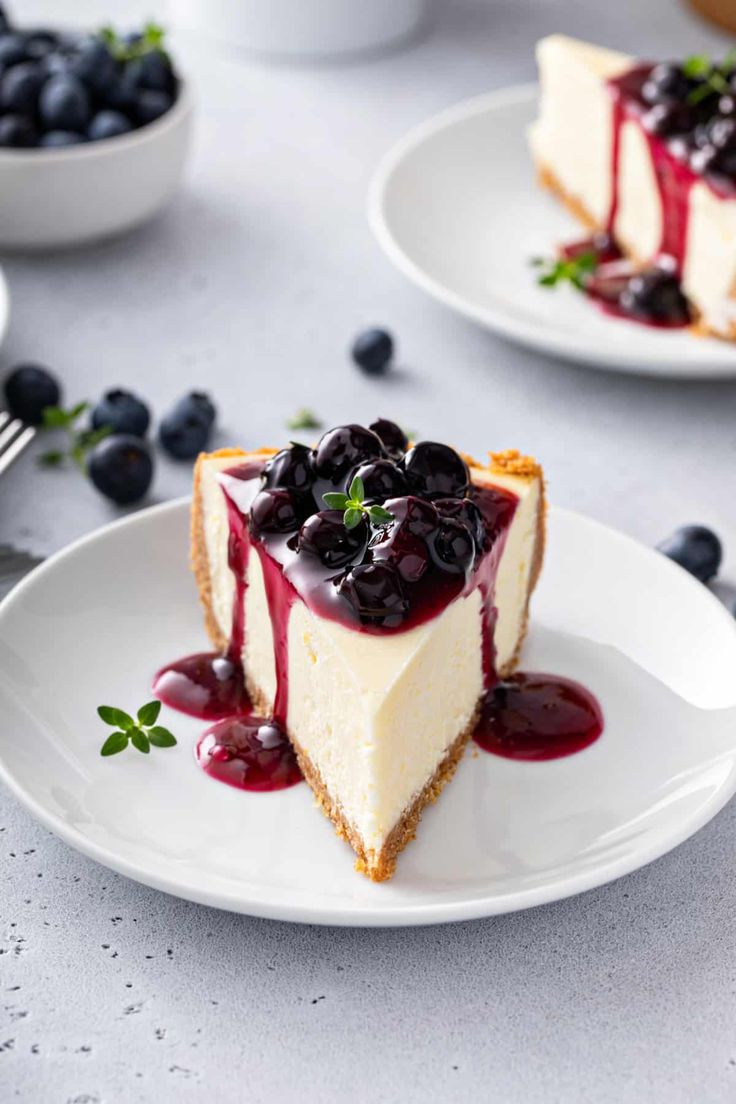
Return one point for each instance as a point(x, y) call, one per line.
point(20, 86)
point(373, 350)
point(59, 139)
point(121, 468)
point(695, 548)
point(29, 389)
point(64, 103)
point(186, 430)
point(122, 412)
point(17, 132)
point(151, 105)
point(108, 124)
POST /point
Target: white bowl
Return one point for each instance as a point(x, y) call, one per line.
point(52, 198)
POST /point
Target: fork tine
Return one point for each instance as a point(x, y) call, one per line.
point(13, 443)
point(4, 418)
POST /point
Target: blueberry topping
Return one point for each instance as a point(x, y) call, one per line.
point(276, 511)
point(464, 510)
point(20, 86)
point(122, 412)
point(325, 536)
point(186, 430)
point(454, 545)
point(436, 471)
point(376, 593)
point(341, 449)
point(695, 548)
point(108, 124)
point(121, 468)
point(655, 296)
point(393, 438)
point(291, 467)
point(373, 350)
point(408, 554)
point(665, 82)
point(64, 103)
point(17, 132)
point(381, 479)
point(666, 119)
point(29, 389)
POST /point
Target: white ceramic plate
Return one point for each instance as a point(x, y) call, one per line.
point(93, 623)
point(4, 306)
point(456, 207)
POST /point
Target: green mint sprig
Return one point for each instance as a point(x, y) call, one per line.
point(143, 732)
point(714, 77)
point(80, 440)
point(354, 508)
point(151, 38)
point(566, 270)
point(304, 419)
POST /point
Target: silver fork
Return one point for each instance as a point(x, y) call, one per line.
point(15, 436)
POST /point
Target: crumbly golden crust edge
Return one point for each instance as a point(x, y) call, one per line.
point(548, 180)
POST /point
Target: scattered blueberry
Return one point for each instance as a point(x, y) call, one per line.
point(376, 593)
point(17, 132)
point(434, 470)
point(64, 103)
point(695, 548)
point(340, 449)
point(392, 436)
point(29, 389)
point(324, 535)
point(186, 430)
point(121, 468)
point(373, 350)
point(122, 412)
point(108, 124)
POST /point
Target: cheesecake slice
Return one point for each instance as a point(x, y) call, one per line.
point(369, 633)
point(644, 154)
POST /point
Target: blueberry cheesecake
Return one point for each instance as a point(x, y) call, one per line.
point(644, 155)
point(372, 590)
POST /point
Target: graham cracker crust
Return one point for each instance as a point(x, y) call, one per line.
point(378, 866)
point(548, 180)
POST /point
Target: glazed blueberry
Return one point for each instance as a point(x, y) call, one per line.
point(64, 103)
point(376, 593)
point(121, 468)
point(373, 350)
point(381, 479)
point(727, 104)
point(186, 429)
point(344, 447)
point(435, 471)
point(416, 515)
point(276, 511)
point(665, 82)
point(108, 124)
point(666, 119)
point(12, 50)
point(406, 553)
point(29, 389)
point(704, 159)
point(695, 548)
point(656, 296)
point(324, 535)
point(17, 132)
point(464, 510)
point(291, 467)
point(20, 86)
point(122, 412)
point(151, 105)
point(393, 438)
point(58, 139)
point(722, 133)
point(454, 545)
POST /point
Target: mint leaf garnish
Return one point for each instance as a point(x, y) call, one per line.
point(713, 78)
point(304, 419)
point(354, 508)
point(151, 38)
point(142, 735)
point(572, 270)
point(335, 500)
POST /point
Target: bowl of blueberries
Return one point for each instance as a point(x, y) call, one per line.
point(94, 133)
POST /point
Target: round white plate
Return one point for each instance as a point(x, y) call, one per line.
point(456, 207)
point(4, 306)
point(92, 624)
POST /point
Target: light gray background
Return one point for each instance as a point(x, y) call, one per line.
point(252, 285)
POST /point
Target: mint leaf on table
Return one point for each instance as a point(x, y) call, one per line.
point(143, 733)
point(304, 419)
point(79, 441)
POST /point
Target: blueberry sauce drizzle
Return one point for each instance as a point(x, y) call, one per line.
point(250, 753)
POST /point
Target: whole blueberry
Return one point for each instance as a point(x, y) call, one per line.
point(277, 511)
point(394, 440)
point(655, 296)
point(29, 389)
point(291, 467)
point(153, 71)
point(40, 43)
point(64, 103)
point(341, 448)
point(373, 350)
point(665, 82)
point(59, 139)
point(12, 50)
point(325, 536)
point(123, 412)
point(376, 593)
point(108, 124)
point(434, 470)
point(666, 119)
point(20, 86)
point(151, 105)
point(121, 468)
point(454, 545)
point(4, 21)
point(464, 510)
point(695, 548)
point(17, 132)
point(381, 479)
point(94, 64)
point(186, 429)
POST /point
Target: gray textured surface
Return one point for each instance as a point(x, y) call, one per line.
point(260, 272)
